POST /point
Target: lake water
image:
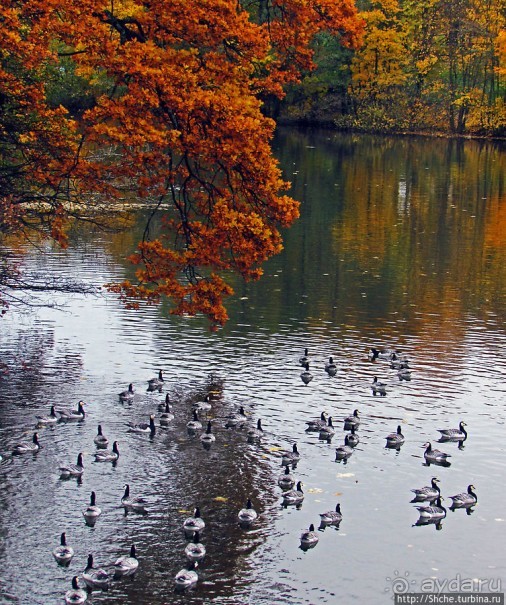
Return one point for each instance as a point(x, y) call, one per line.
point(400, 244)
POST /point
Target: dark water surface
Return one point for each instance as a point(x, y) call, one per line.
point(401, 244)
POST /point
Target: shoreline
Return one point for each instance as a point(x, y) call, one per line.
point(440, 134)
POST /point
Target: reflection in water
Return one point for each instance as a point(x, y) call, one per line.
point(400, 246)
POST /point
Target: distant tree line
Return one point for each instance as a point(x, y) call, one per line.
point(423, 66)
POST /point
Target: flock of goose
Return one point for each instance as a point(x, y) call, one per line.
point(100, 578)
point(428, 498)
point(124, 565)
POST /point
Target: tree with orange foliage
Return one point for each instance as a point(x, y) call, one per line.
point(38, 143)
point(183, 112)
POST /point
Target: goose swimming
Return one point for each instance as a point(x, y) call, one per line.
point(257, 433)
point(187, 577)
point(343, 452)
point(465, 499)
point(155, 384)
point(290, 457)
point(396, 363)
point(332, 517)
point(163, 404)
point(378, 387)
point(194, 523)
point(306, 375)
point(95, 577)
point(166, 417)
point(383, 354)
point(208, 437)
point(92, 512)
point(404, 374)
point(330, 367)
point(437, 456)
point(76, 595)
point(309, 538)
point(25, 447)
point(127, 395)
point(72, 470)
point(353, 420)
point(126, 565)
point(143, 427)
point(133, 503)
point(69, 414)
point(304, 358)
point(248, 514)
point(353, 438)
point(194, 424)
point(429, 492)
point(294, 496)
point(459, 434)
point(395, 439)
point(433, 511)
point(237, 420)
point(327, 431)
point(63, 553)
point(100, 439)
point(314, 426)
point(108, 455)
point(47, 420)
point(286, 480)
point(195, 550)
point(203, 406)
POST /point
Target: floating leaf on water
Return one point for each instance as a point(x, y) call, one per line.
point(339, 475)
point(338, 493)
point(220, 499)
point(184, 512)
point(274, 448)
point(314, 490)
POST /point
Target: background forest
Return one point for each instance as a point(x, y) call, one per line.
point(424, 66)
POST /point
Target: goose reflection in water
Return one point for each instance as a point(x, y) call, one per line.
point(437, 523)
point(444, 463)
